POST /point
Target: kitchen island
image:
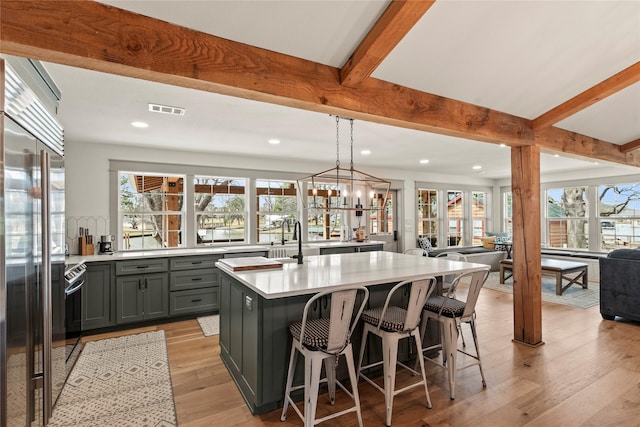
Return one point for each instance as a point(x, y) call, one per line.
point(257, 306)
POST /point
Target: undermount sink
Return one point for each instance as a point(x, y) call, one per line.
point(292, 249)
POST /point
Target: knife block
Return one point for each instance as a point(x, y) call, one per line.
point(85, 247)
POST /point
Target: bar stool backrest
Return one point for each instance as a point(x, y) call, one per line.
point(478, 278)
point(420, 291)
point(342, 322)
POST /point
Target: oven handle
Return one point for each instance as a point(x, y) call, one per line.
point(69, 291)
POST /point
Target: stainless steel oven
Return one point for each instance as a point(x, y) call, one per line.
point(74, 280)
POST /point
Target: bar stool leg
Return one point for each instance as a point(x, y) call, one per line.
point(365, 333)
point(292, 367)
point(312, 368)
point(353, 377)
point(475, 341)
point(450, 350)
point(389, 357)
point(330, 370)
point(416, 335)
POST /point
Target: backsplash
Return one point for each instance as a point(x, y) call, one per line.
point(97, 225)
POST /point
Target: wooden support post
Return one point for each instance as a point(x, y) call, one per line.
point(527, 267)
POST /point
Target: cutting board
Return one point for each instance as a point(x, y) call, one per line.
point(250, 263)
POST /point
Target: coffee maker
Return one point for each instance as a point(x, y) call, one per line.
point(105, 245)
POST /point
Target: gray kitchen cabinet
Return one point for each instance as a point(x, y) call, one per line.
point(194, 286)
point(142, 266)
point(98, 297)
point(337, 250)
point(142, 296)
point(350, 249)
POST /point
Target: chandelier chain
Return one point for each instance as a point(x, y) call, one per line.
point(351, 120)
point(337, 141)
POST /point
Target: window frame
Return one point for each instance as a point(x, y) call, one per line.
point(124, 239)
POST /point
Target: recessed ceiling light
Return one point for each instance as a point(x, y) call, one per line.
point(595, 163)
point(274, 141)
point(476, 167)
point(503, 145)
point(424, 161)
point(556, 155)
point(139, 125)
point(365, 152)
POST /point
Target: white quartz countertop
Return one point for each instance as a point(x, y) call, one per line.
point(325, 272)
point(164, 253)
point(215, 250)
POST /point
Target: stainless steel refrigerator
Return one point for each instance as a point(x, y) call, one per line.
point(32, 242)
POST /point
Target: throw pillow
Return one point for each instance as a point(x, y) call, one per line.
point(425, 244)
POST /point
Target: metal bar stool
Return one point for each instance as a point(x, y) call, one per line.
point(451, 313)
point(391, 324)
point(325, 340)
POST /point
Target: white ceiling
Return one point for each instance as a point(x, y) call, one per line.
point(518, 57)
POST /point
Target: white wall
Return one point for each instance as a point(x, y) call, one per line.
point(88, 186)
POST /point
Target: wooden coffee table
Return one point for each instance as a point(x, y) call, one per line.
point(558, 268)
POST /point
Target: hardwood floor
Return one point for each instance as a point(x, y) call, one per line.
point(586, 374)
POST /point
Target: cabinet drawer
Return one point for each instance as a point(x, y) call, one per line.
point(337, 250)
point(193, 301)
point(191, 262)
point(142, 266)
point(193, 279)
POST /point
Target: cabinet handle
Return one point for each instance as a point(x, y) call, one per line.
point(146, 284)
point(196, 262)
point(195, 279)
point(196, 300)
point(139, 284)
point(142, 266)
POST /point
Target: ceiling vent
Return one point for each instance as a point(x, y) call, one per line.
point(166, 109)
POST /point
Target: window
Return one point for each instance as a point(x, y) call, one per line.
point(428, 215)
point(507, 210)
point(151, 210)
point(619, 215)
point(381, 215)
point(479, 215)
point(220, 209)
point(455, 216)
point(324, 222)
point(277, 210)
point(567, 218)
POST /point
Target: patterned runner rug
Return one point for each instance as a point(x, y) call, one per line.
point(575, 296)
point(210, 325)
point(122, 381)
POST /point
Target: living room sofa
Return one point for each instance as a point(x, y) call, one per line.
point(477, 254)
point(620, 284)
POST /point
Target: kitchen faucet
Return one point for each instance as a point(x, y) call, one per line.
point(297, 226)
point(285, 221)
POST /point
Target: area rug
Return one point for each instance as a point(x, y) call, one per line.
point(575, 296)
point(210, 325)
point(122, 381)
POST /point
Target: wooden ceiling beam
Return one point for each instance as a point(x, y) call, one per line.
point(95, 36)
point(560, 140)
point(396, 21)
point(99, 37)
point(630, 146)
point(613, 84)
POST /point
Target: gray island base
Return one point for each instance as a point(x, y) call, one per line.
point(257, 306)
